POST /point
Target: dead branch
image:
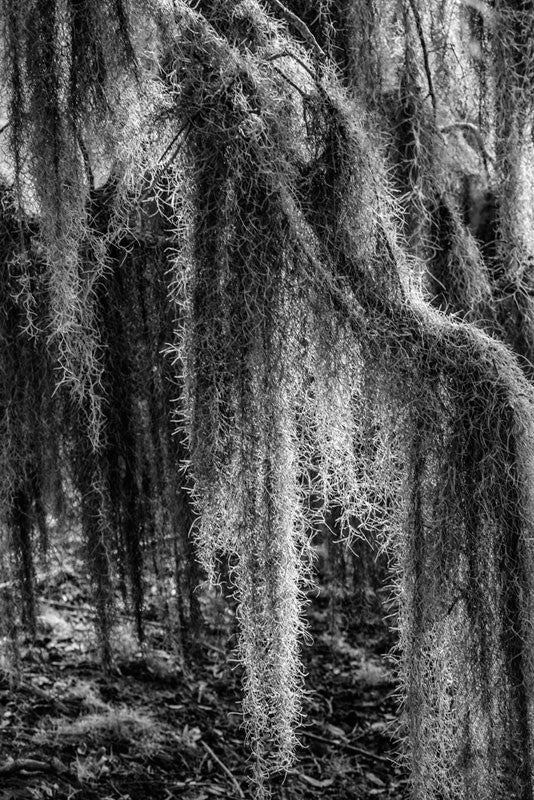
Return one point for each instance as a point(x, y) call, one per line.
point(216, 758)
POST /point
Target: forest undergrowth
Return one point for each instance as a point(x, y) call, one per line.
point(161, 726)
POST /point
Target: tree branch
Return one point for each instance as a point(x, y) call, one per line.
point(86, 162)
point(420, 33)
point(469, 126)
point(230, 774)
point(302, 28)
point(288, 54)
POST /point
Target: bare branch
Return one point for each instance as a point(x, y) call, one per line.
point(302, 28)
point(420, 33)
point(288, 54)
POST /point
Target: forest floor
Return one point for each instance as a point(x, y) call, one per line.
point(157, 728)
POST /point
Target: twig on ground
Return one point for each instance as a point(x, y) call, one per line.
point(31, 765)
point(29, 688)
point(67, 606)
point(360, 750)
point(216, 758)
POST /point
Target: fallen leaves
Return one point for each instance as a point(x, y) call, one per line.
point(155, 728)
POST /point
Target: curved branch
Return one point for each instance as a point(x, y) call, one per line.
point(469, 126)
point(302, 28)
point(289, 54)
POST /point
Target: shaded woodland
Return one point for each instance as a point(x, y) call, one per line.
point(267, 332)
